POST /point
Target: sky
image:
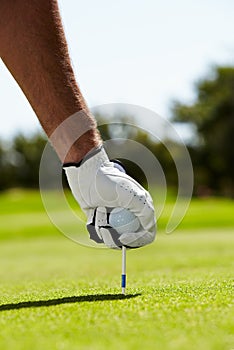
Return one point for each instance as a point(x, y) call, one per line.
point(146, 53)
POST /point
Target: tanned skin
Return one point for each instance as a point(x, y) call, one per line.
point(34, 49)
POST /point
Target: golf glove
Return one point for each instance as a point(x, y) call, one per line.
point(98, 186)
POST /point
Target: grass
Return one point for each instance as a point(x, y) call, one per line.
point(55, 294)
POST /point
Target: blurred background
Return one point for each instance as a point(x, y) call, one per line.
point(175, 58)
point(172, 59)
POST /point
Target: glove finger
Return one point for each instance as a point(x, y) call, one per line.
point(137, 239)
point(110, 237)
point(140, 203)
point(93, 232)
point(101, 217)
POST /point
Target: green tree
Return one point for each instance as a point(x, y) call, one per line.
point(26, 156)
point(20, 161)
point(7, 170)
point(126, 130)
point(212, 114)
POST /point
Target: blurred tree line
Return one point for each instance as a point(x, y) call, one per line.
point(211, 117)
point(20, 161)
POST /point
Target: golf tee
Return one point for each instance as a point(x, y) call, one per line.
point(123, 280)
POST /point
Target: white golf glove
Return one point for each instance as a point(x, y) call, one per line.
point(98, 186)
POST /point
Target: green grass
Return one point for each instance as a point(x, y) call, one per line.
point(55, 294)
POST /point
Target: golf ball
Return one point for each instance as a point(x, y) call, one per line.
point(123, 221)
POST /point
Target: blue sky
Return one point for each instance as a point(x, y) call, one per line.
point(144, 53)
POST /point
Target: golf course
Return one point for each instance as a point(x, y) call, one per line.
point(58, 295)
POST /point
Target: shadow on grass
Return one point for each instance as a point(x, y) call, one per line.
point(66, 300)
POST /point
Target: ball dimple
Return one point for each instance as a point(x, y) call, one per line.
point(123, 220)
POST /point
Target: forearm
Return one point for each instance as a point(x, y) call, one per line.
point(34, 48)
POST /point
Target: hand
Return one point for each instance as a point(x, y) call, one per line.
point(99, 187)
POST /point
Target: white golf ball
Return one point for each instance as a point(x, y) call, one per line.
point(123, 221)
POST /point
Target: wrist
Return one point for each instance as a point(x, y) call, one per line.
point(87, 156)
point(85, 144)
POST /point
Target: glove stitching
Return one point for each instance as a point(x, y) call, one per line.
point(126, 188)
